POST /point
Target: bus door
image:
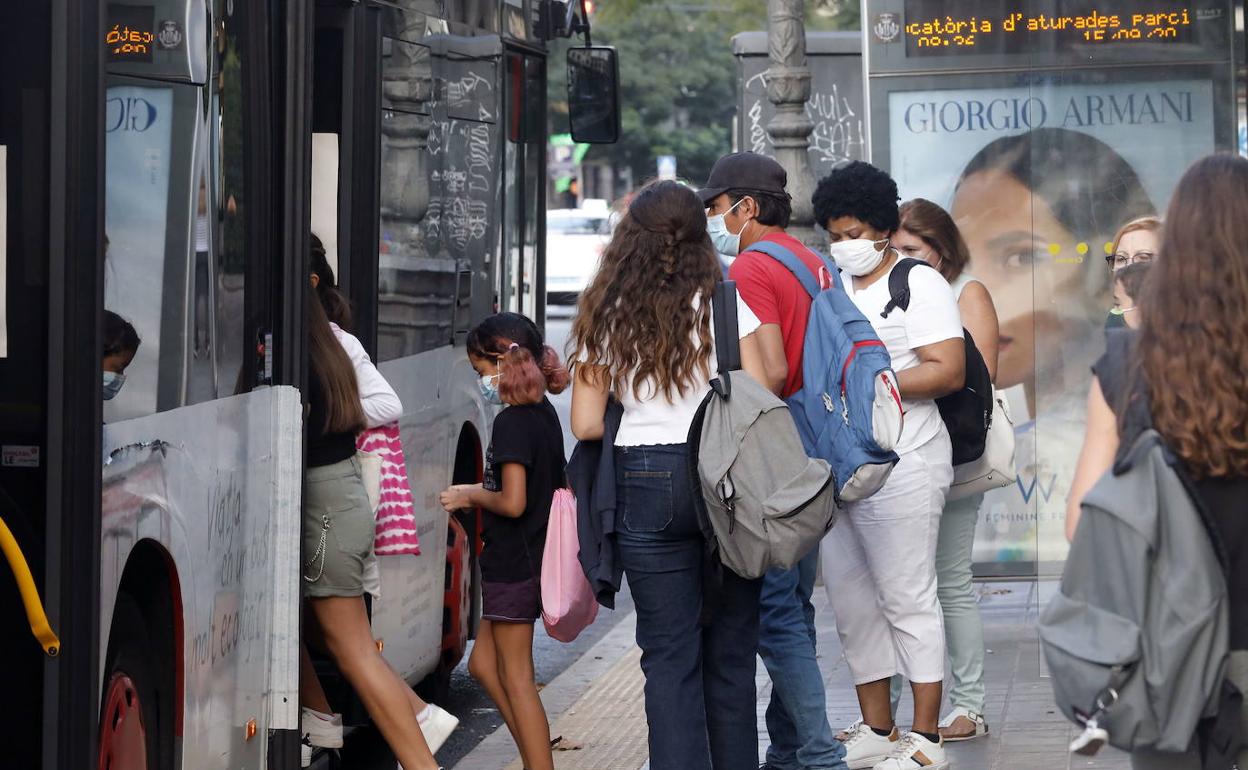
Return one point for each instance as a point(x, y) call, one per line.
point(50, 228)
point(1043, 126)
point(201, 467)
point(522, 275)
point(405, 199)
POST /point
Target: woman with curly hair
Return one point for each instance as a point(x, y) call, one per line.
point(643, 335)
point(1182, 375)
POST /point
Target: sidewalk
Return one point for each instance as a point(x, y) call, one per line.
point(596, 703)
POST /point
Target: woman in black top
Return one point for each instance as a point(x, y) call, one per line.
point(338, 537)
point(1183, 375)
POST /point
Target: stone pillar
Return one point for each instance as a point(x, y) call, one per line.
point(788, 88)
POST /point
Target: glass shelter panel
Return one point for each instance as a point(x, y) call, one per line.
point(1043, 127)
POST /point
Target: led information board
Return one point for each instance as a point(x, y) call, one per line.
point(909, 35)
point(938, 27)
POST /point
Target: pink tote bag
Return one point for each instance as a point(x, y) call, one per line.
point(568, 604)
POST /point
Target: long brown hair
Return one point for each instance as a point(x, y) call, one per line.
point(637, 319)
point(1193, 341)
point(330, 365)
point(933, 225)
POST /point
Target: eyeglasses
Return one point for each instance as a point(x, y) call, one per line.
point(1122, 259)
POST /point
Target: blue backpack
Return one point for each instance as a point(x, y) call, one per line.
point(848, 411)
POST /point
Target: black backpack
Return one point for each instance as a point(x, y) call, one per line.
point(968, 412)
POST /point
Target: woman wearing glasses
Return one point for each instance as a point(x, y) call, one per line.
point(1137, 242)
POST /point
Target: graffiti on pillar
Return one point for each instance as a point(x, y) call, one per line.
point(835, 108)
point(838, 127)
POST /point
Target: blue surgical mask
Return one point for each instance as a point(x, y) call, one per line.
point(112, 384)
point(489, 389)
point(725, 242)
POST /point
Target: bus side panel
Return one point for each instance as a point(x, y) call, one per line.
point(408, 617)
point(217, 486)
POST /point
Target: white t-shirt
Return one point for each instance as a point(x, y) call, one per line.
point(931, 317)
point(652, 419)
point(960, 283)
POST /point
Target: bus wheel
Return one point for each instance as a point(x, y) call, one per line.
point(129, 721)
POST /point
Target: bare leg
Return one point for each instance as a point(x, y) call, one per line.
point(311, 694)
point(483, 665)
point(418, 704)
point(926, 706)
point(349, 641)
point(514, 643)
point(876, 707)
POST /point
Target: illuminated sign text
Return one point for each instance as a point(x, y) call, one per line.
point(129, 35)
point(939, 27)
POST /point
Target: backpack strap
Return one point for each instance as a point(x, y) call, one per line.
point(899, 285)
point(727, 335)
point(809, 281)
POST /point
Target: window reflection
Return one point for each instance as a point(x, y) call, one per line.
point(438, 179)
point(174, 254)
point(219, 278)
point(145, 253)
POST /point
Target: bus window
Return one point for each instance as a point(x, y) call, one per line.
point(416, 284)
point(227, 207)
point(525, 160)
point(174, 246)
point(439, 190)
point(149, 188)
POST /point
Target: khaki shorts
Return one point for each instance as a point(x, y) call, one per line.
point(338, 530)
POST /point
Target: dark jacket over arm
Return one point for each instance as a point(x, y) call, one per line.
point(591, 473)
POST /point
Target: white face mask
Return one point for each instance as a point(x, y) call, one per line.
point(724, 241)
point(858, 256)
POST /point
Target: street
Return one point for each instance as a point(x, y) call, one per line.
point(478, 717)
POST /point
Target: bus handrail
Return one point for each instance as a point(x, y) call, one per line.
point(35, 615)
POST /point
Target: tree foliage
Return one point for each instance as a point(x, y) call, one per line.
point(677, 76)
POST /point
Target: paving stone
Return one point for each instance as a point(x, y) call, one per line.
point(598, 701)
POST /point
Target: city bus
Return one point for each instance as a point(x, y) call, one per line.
point(169, 161)
point(1043, 126)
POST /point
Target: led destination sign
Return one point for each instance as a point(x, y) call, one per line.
point(955, 27)
point(129, 35)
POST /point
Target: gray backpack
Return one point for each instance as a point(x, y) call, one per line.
point(768, 504)
point(1138, 637)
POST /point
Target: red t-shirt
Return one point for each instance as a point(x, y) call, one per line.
point(776, 297)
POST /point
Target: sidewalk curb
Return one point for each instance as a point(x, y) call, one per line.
point(498, 749)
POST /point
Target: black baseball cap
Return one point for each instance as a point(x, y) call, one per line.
point(745, 172)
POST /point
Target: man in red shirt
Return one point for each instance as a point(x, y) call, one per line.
point(748, 190)
point(746, 203)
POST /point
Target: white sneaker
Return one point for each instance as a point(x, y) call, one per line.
point(324, 730)
point(864, 748)
point(962, 724)
point(914, 751)
point(305, 753)
point(436, 724)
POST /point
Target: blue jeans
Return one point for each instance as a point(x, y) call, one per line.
point(797, 719)
point(700, 695)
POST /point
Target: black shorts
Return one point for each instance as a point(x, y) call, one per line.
point(511, 602)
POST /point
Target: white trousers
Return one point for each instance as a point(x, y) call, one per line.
point(879, 569)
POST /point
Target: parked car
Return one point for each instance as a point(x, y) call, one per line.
point(574, 242)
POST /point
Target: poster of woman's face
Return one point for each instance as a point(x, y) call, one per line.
point(1039, 178)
